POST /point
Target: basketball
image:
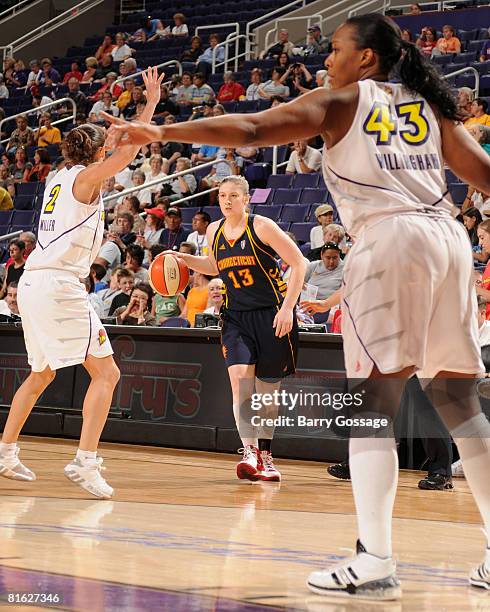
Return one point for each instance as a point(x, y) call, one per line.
point(168, 275)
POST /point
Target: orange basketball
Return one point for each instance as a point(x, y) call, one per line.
point(168, 275)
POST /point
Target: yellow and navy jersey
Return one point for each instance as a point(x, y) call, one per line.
point(248, 269)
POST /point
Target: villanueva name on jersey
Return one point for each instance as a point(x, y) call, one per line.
point(47, 225)
point(236, 261)
point(397, 161)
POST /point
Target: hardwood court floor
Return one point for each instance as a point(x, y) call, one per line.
point(184, 535)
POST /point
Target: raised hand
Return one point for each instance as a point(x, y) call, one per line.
point(152, 83)
point(135, 133)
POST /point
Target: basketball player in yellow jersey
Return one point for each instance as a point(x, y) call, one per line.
point(408, 298)
point(60, 326)
point(259, 334)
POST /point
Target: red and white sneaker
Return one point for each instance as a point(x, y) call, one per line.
point(268, 470)
point(248, 467)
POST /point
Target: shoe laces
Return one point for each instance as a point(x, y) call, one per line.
point(267, 460)
point(95, 465)
point(248, 452)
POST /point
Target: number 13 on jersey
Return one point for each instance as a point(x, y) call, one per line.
point(410, 123)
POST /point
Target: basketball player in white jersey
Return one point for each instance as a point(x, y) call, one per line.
point(60, 326)
point(407, 297)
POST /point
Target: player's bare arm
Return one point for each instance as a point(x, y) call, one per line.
point(321, 111)
point(313, 306)
point(269, 233)
point(205, 264)
point(88, 182)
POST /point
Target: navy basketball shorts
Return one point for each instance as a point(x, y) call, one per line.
point(247, 337)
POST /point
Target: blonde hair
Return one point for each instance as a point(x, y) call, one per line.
point(239, 181)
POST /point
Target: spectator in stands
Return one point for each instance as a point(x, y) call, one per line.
point(137, 96)
point(485, 49)
point(324, 216)
point(16, 267)
point(114, 289)
point(316, 43)
point(108, 189)
point(326, 274)
point(202, 91)
point(297, 78)
point(105, 105)
point(91, 68)
point(29, 239)
point(205, 61)
point(50, 76)
point(22, 136)
point(479, 113)
point(158, 170)
point(35, 74)
point(205, 154)
point(6, 202)
point(482, 282)
point(126, 284)
point(194, 52)
point(125, 97)
point(103, 68)
point(200, 222)
point(414, 9)
point(228, 163)
point(281, 46)
point(160, 31)
point(109, 254)
point(334, 233)
point(407, 35)
point(165, 106)
point(255, 82)
point(155, 224)
point(108, 85)
point(105, 48)
point(427, 41)
point(130, 204)
point(197, 298)
point(171, 151)
point(173, 234)
point(164, 307)
point(185, 92)
point(121, 50)
point(230, 91)
point(274, 87)
point(465, 100)
point(9, 306)
point(180, 28)
point(47, 134)
point(472, 219)
point(449, 43)
point(57, 165)
point(4, 92)
point(183, 185)
point(18, 168)
point(13, 77)
point(77, 96)
point(134, 262)
point(283, 61)
point(215, 296)
point(276, 100)
point(74, 72)
point(304, 159)
point(40, 169)
point(138, 311)
point(321, 78)
point(130, 67)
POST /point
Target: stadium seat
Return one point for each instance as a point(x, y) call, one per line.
point(4, 229)
point(213, 211)
point(313, 196)
point(23, 217)
point(458, 192)
point(188, 213)
point(24, 202)
point(451, 177)
point(286, 196)
point(276, 181)
point(302, 231)
point(5, 217)
point(294, 213)
point(176, 322)
point(306, 180)
point(284, 225)
point(26, 189)
point(272, 211)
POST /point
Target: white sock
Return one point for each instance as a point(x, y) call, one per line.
point(374, 473)
point(85, 456)
point(473, 441)
point(8, 449)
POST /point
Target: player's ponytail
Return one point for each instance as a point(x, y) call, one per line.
point(404, 60)
point(82, 144)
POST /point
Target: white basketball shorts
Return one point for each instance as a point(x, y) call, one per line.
point(409, 299)
point(60, 325)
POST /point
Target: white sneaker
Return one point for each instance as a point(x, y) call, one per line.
point(247, 468)
point(457, 469)
point(363, 577)
point(88, 476)
point(267, 469)
point(480, 576)
point(11, 467)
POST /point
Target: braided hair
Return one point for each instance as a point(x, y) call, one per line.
point(382, 35)
point(82, 143)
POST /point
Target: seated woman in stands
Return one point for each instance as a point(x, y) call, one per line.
point(41, 168)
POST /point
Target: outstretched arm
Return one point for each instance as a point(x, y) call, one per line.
point(307, 116)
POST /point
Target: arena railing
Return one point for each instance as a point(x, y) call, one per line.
point(166, 179)
point(139, 74)
point(127, 7)
point(317, 17)
point(36, 109)
point(17, 8)
point(476, 89)
point(11, 235)
point(230, 39)
point(49, 26)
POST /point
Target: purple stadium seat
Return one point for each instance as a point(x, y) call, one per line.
point(176, 322)
point(24, 202)
point(188, 213)
point(4, 229)
point(306, 180)
point(313, 196)
point(272, 211)
point(23, 217)
point(294, 213)
point(26, 189)
point(5, 217)
point(284, 225)
point(458, 192)
point(213, 211)
point(276, 181)
point(286, 196)
point(302, 231)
